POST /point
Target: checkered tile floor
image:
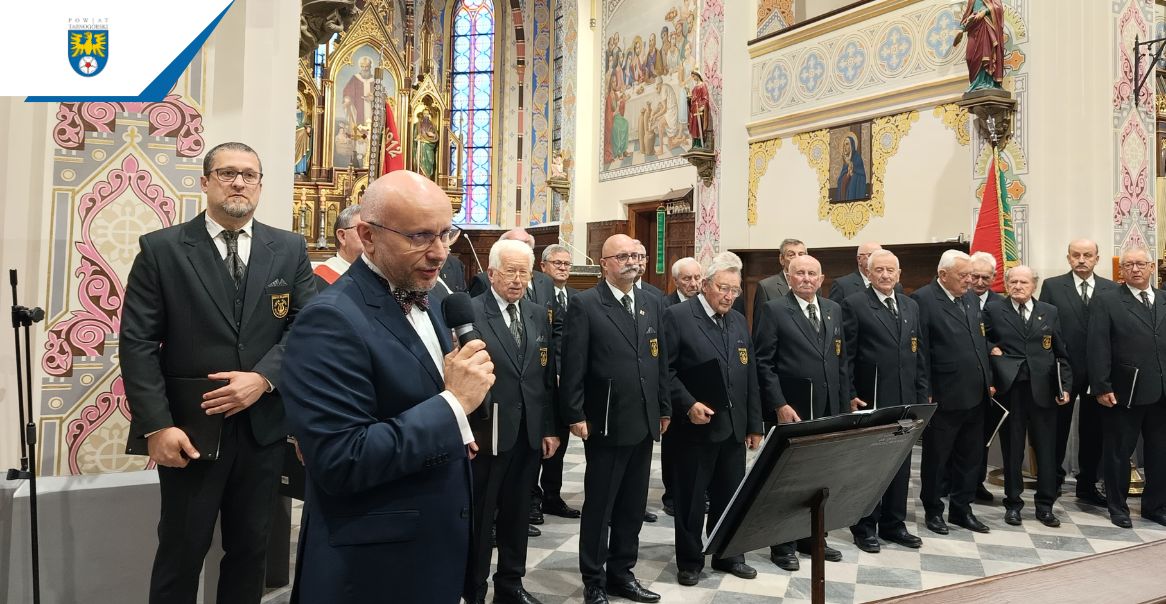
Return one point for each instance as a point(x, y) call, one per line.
point(553, 574)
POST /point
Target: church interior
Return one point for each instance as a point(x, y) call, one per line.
point(694, 126)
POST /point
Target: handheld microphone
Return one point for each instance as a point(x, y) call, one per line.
point(458, 310)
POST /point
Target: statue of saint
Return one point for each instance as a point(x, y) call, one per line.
point(426, 137)
point(983, 22)
point(303, 138)
point(699, 112)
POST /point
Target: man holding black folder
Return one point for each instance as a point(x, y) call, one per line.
point(799, 367)
point(207, 306)
point(1127, 351)
point(1030, 366)
point(881, 331)
point(716, 411)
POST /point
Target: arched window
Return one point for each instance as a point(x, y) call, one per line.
point(472, 53)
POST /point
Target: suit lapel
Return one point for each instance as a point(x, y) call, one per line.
point(799, 318)
point(530, 315)
point(208, 265)
point(497, 324)
point(827, 339)
point(624, 324)
point(949, 306)
point(1074, 295)
point(258, 270)
point(389, 315)
point(1136, 308)
point(1159, 308)
point(1013, 319)
point(709, 328)
point(882, 313)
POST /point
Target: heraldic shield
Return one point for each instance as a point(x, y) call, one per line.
point(88, 50)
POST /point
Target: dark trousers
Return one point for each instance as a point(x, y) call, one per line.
point(241, 485)
point(1122, 427)
point(1089, 423)
point(616, 487)
point(501, 500)
point(890, 513)
point(548, 485)
point(1039, 424)
point(667, 465)
point(958, 437)
point(715, 468)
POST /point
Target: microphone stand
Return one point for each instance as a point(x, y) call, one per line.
point(23, 316)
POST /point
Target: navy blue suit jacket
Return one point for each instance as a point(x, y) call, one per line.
point(388, 478)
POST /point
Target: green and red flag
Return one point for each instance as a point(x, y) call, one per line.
point(994, 233)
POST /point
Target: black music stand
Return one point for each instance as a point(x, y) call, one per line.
point(812, 477)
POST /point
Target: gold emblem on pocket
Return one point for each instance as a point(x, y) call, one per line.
point(280, 303)
point(837, 347)
point(550, 317)
point(542, 356)
point(743, 354)
point(914, 344)
point(983, 332)
point(1047, 342)
point(655, 344)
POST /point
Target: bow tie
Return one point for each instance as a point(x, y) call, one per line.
point(407, 298)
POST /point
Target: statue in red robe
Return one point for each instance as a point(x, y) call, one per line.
point(699, 113)
point(983, 22)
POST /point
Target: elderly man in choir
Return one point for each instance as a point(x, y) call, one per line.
point(776, 286)
point(799, 366)
point(956, 351)
point(1026, 336)
point(847, 285)
point(348, 248)
point(686, 273)
point(881, 330)
point(1127, 344)
point(983, 275)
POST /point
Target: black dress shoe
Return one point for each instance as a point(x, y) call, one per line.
point(1012, 517)
point(1121, 521)
point(737, 569)
point(668, 509)
point(983, 495)
point(787, 562)
point(633, 591)
point(532, 531)
point(969, 522)
point(832, 555)
point(1048, 519)
point(594, 595)
point(649, 516)
point(688, 577)
point(936, 525)
point(1091, 494)
point(1158, 516)
point(561, 509)
point(514, 597)
point(536, 516)
point(868, 544)
point(902, 537)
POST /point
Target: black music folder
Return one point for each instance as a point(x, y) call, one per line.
point(1125, 380)
point(1005, 368)
point(706, 383)
point(204, 431)
point(799, 392)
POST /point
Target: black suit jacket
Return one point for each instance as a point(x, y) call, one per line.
point(788, 347)
point(453, 272)
point(178, 320)
point(992, 297)
point(955, 348)
point(876, 340)
point(1123, 335)
point(559, 314)
point(606, 354)
point(695, 340)
point(523, 385)
point(1039, 342)
point(769, 288)
point(652, 289)
point(672, 298)
point(1061, 291)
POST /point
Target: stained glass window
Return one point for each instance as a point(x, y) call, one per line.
point(473, 104)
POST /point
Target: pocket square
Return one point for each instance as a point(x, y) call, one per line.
point(278, 283)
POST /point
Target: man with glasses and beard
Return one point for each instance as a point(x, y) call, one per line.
point(614, 395)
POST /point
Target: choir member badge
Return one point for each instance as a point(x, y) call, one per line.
point(983, 332)
point(837, 347)
point(655, 344)
point(914, 344)
point(280, 304)
point(550, 318)
point(542, 356)
point(743, 354)
point(1047, 342)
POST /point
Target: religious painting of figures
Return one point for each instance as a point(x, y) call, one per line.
point(353, 106)
point(850, 163)
point(649, 54)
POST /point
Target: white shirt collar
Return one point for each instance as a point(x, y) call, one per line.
point(1138, 292)
point(615, 291)
point(865, 281)
point(984, 298)
point(502, 304)
point(708, 310)
point(1077, 280)
point(1027, 306)
point(680, 295)
point(949, 294)
point(803, 304)
point(883, 297)
point(214, 228)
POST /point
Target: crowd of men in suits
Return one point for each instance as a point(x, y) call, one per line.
point(423, 456)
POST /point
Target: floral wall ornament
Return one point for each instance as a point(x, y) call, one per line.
point(760, 153)
point(956, 119)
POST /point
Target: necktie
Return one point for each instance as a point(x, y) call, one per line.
point(959, 303)
point(1146, 301)
point(627, 305)
point(813, 309)
point(562, 301)
point(515, 324)
point(1085, 292)
point(234, 262)
point(719, 319)
point(1023, 318)
point(529, 293)
point(890, 302)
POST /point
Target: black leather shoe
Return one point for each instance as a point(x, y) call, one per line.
point(649, 516)
point(536, 516)
point(1158, 516)
point(688, 577)
point(594, 595)
point(969, 522)
point(787, 562)
point(561, 509)
point(1050, 520)
point(668, 509)
point(1121, 521)
point(983, 495)
point(868, 544)
point(1091, 494)
point(514, 597)
point(902, 537)
point(1012, 517)
point(936, 525)
point(532, 531)
point(832, 555)
point(737, 569)
point(633, 591)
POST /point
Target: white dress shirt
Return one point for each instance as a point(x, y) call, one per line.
point(1138, 293)
point(805, 307)
point(244, 242)
point(1077, 281)
point(502, 304)
point(615, 291)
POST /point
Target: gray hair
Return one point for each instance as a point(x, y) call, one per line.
point(880, 254)
point(788, 241)
point(679, 263)
point(949, 258)
point(510, 245)
point(724, 261)
point(208, 162)
point(984, 257)
point(346, 217)
point(553, 249)
point(1031, 271)
point(1137, 248)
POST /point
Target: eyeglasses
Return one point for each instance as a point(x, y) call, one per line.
point(424, 240)
point(559, 263)
point(1137, 265)
point(727, 290)
point(514, 273)
point(227, 175)
point(624, 257)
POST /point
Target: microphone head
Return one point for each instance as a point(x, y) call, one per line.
point(458, 310)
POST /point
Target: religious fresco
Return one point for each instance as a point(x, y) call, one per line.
point(353, 103)
point(649, 52)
